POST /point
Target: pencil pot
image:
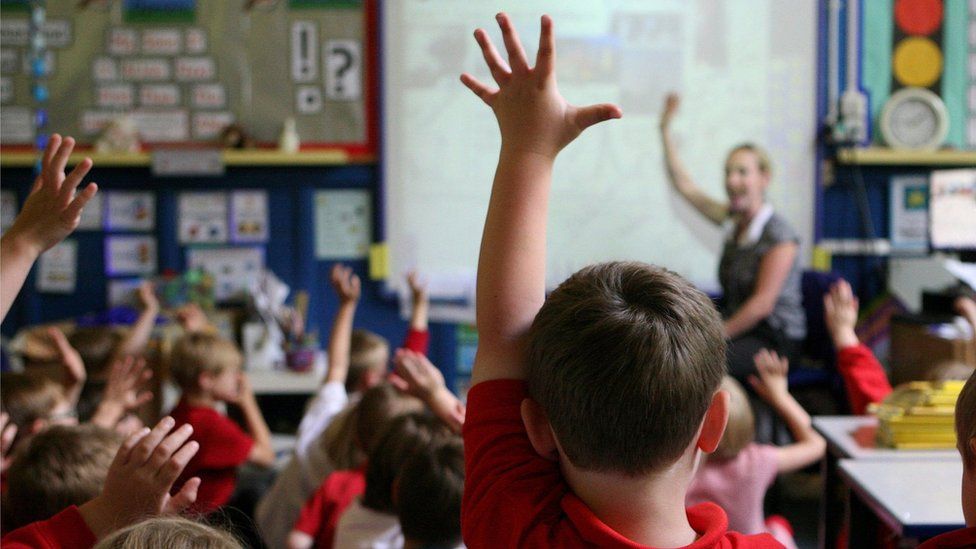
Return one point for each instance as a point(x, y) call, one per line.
point(300, 360)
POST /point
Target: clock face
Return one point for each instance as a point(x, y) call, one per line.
point(914, 118)
point(914, 123)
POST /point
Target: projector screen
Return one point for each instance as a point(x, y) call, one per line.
point(745, 70)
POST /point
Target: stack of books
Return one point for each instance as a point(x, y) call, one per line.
point(919, 415)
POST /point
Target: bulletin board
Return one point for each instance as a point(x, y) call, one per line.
point(185, 69)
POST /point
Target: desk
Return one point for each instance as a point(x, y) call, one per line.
point(914, 498)
point(853, 437)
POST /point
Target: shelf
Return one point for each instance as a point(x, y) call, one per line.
point(331, 157)
point(878, 156)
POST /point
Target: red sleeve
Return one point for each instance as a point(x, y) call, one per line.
point(417, 341)
point(864, 378)
point(506, 481)
point(310, 518)
point(222, 445)
point(65, 530)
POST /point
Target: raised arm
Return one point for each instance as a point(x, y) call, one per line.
point(73, 374)
point(262, 453)
point(51, 212)
point(423, 380)
point(137, 339)
point(715, 211)
point(771, 385)
point(535, 123)
point(774, 268)
point(347, 288)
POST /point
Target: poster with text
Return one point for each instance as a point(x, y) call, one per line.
point(130, 211)
point(233, 269)
point(342, 224)
point(249, 216)
point(203, 218)
point(57, 270)
point(130, 255)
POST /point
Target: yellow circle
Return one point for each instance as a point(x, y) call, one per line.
point(917, 62)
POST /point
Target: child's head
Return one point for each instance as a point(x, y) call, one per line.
point(368, 356)
point(624, 360)
point(741, 428)
point(348, 439)
point(428, 494)
point(34, 402)
point(207, 363)
point(61, 466)
point(403, 437)
point(170, 532)
point(96, 345)
point(966, 442)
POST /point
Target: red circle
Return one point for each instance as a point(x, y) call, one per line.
point(919, 17)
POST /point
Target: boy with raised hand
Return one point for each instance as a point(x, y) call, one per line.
point(137, 486)
point(588, 411)
point(50, 213)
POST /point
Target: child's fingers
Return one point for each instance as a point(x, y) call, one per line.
point(74, 208)
point(60, 341)
point(545, 59)
point(498, 67)
point(74, 179)
point(398, 382)
point(184, 498)
point(53, 144)
point(142, 452)
point(594, 114)
point(755, 382)
point(7, 435)
point(174, 466)
point(484, 92)
point(169, 446)
point(141, 399)
point(122, 457)
point(516, 54)
point(60, 160)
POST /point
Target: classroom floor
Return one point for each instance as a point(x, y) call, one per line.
point(799, 502)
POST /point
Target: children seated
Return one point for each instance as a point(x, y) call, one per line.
point(737, 475)
point(428, 494)
point(588, 410)
point(208, 370)
point(326, 439)
point(59, 467)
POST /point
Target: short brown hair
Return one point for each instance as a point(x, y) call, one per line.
point(402, 437)
point(624, 359)
point(367, 352)
point(60, 466)
point(741, 428)
point(762, 157)
point(966, 421)
point(170, 532)
point(198, 352)
point(27, 397)
point(429, 491)
point(96, 345)
point(350, 436)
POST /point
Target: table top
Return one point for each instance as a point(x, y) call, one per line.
point(915, 498)
point(853, 437)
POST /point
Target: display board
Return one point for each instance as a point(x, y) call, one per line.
point(746, 71)
point(185, 69)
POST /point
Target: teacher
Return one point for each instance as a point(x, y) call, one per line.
point(758, 272)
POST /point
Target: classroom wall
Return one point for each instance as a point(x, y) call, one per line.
point(289, 250)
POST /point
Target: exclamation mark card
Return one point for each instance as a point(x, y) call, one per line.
point(304, 51)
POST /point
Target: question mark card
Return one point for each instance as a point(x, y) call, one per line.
point(343, 70)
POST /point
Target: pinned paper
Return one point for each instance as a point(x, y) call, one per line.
point(130, 255)
point(8, 209)
point(161, 42)
point(57, 270)
point(123, 41)
point(342, 224)
point(304, 51)
point(343, 70)
point(91, 216)
point(821, 259)
point(379, 261)
point(203, 217)
point(135, 211)
point(233, 269)
point(249, 216)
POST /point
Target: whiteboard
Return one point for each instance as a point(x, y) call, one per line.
point(746, 72)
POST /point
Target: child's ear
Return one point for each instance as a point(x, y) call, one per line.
point(205, 381)
point(713, 425)
point(538, 428)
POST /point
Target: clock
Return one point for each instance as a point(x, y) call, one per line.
point(914, 118)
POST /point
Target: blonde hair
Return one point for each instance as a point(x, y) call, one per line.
point(966, 421)
point(368, 352)
point(60, 466)
point(197, 353)
point(27, 397)
point(171, 533)
point(741, 429)
point(762, 157)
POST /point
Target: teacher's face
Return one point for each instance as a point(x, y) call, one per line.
point(745, 182)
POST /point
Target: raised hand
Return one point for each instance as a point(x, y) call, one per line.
point(418, 289)
point(139, 480)
point(8, 432)
point(840, 314)
point(671, 104)
point(346, 283)
point(73, 372)
point(770, 383)
point(192, 318)
point(416, 375)
point(147, 296)
point(532, 115)
point(123, 391)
